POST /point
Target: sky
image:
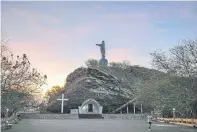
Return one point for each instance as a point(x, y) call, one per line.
point(59, 37)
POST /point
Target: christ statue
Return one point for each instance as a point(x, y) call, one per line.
point(102, 48)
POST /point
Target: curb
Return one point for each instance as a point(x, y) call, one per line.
point(182, 124)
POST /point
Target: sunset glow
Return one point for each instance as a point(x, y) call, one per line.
point(59, 37)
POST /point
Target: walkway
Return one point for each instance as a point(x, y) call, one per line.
point(93, 125)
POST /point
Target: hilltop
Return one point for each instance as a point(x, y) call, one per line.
point(110, 86)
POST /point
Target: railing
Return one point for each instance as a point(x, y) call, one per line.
point(124, 105)
point(178, 120)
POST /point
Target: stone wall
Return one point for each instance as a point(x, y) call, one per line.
point(75, 116)
point(124, 116)
point(48, 116)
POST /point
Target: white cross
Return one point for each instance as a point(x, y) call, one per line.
point(62, 99)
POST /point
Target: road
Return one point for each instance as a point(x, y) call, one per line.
point(94, 125)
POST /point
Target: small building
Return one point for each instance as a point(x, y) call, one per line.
point(90, 109)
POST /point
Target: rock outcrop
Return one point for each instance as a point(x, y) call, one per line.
point(110, 86)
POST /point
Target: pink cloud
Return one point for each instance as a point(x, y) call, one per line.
point(41, 55)
point(47, 44)
point(118, 54)
point(44, 27)
point(46, 60)
point(121, 54)
point(83, 30)
point(34, 50)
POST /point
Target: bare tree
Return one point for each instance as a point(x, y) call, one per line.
point(123, 65)
point(181, 60)
point(19, 82)
point(92, 63)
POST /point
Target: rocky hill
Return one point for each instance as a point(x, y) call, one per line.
point(110, 86)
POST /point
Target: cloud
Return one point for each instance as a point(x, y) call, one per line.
point(34, 17)
point(174, 10)
point(45, 46)
point(59, 44)
point(42, 27)
point(45, 60)
point(121, 54)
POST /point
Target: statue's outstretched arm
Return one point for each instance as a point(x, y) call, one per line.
point(98, 44)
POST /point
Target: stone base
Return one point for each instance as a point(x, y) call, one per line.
point(91, 116)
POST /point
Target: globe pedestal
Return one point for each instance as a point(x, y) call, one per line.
point(103, 62)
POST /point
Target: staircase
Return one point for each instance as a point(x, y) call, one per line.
point(126, 104)
point(91, 116)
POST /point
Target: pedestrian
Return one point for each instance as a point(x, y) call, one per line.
point(149, 120)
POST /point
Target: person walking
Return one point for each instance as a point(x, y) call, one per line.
point(149, 120)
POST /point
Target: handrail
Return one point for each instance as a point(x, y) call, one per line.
point(124, 105)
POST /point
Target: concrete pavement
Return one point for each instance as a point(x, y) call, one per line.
point(94, 125)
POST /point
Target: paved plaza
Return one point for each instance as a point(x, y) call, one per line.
point(94, 125)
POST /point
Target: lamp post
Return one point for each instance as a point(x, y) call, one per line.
point(174, 115)
point(141, 108)
point(7, 114)
point(162, 111)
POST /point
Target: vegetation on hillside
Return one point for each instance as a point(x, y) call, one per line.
point(171, 84)
point(174, 87)
point(53, 93)
point(179, 89)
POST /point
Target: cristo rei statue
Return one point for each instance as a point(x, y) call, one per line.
point(103, 61)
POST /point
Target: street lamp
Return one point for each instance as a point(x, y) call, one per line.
point(173, 112)
point(141, 108)
point(7, 114)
